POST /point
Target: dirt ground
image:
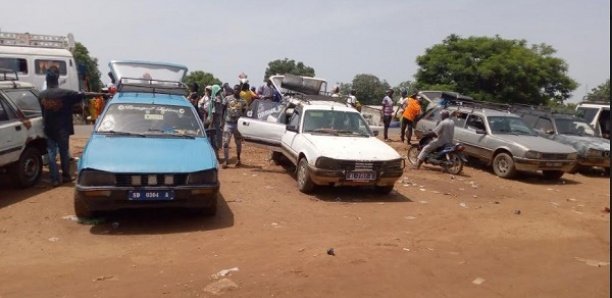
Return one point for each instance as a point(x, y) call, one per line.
point(436, 235)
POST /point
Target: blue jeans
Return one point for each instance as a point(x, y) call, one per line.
point(52, 148)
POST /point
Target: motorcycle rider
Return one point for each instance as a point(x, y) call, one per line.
point(444, 133)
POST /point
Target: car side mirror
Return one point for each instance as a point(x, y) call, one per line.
point(481, 132)
point(292, 128)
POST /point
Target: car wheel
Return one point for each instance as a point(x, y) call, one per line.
point(28, 169)
point(503, 165)
point(413, 153)
point(207, 211)
point(305, 184)
point(384, 190)
point(552, 175)
point(80, 208)
point(607, 171)
point(456, 164)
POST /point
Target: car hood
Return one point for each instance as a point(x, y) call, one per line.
point(584, 143)
point(121, 154)
point(536, 143)
point(352, 148)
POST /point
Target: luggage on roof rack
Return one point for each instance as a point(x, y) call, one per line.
point(37, 40)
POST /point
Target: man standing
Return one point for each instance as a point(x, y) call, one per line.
point(57, 106)
point(387, 113)
point(411, 112)
point(267, 91)
point(235, 107)
point(351, 100)
point(444, 133)
point(401, 106)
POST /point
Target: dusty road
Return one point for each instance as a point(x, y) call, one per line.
point(473, 235)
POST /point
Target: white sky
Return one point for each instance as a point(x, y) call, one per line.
point(339, 39)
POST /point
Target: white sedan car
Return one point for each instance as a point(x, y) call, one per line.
point(329, 143)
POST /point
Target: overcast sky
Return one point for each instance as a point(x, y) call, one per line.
point(339, 39)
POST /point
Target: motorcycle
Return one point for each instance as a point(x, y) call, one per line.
point(450, 157)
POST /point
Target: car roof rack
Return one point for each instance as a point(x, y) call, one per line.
point(37, 40)
point(154, 86)
point(479, 104)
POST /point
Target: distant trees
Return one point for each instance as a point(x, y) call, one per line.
point(369, 89)
point(288, 66)
point(495, 69)
point(600, 93)
point(89, 75)
point(202, 79)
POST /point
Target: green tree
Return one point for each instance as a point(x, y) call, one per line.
point(369, 89)
point(284, 66)
point(89, 75)
point(496, 69)
point(409, 86)
point(599, 93)
point(202, 79)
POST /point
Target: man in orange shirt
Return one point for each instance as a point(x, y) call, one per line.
point(411, 112)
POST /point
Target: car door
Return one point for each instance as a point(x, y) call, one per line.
point(13, 133)
point(291, 139)
point(473, 136)
point(261, 133)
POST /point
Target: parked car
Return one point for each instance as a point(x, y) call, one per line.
point(328, 142)
point(21, 127)
point(593, 151)
point(502, 140)
point(597, 114)
point(149, 148)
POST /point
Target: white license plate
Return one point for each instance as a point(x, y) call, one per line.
point(150, 195)
point(361, 175)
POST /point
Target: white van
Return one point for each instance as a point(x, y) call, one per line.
point(597, 114)
point(30, 55)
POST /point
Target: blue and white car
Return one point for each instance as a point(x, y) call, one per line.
point(148, 148)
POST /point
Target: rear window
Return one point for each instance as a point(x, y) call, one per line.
point(41, 66)
point(587, 114)
point(19, 65)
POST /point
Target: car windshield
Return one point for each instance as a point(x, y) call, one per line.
point(340, 123)
point(150, 120)
point(575, 127)
point(509, 125)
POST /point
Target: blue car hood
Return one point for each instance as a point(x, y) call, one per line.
point(120, 154)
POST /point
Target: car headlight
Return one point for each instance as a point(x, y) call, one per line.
point(594, 153)
point(396, 164)
point(203, 177)
point(327, 163)
point(572, 156)
point(96, 178)
point(533, 154)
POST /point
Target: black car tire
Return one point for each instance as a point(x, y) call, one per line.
point(209, 210)
point(552, 175)
point(384, 190)
point(277, 158)
point(503, 165)
point(304, 182)
point(81, 210)
point(28, 169)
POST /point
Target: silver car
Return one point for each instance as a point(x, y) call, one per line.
point(593, 150)
point(503, 140)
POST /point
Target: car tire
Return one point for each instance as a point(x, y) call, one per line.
point(607, 171)
point(209, 210)
point(28, 169)
point(413, 153)
point(304, 182)
point(384, 190)
point(81, 210)
point(552, 175)
point(503, 165)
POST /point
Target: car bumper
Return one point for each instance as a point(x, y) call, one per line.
point(338, 178)
point(594, 162)
point(533, 165)
point(114, 198)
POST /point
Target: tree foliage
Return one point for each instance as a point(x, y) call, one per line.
point(496, 69)
point(89, 75)
point(599, 93)
point(369, 89)
point(201, 78)
point(285, 66)
point(409, 86)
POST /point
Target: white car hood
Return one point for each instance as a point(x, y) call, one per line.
point(352, 148)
